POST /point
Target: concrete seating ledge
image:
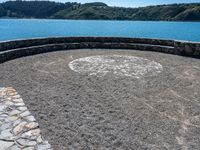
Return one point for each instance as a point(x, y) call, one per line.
point(19, 48)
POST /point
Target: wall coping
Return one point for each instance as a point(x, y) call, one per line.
point(20, 48)
point(40, 38)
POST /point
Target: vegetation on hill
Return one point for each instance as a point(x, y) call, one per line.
point(98, 10)
point(2, 11)
point(35, 9)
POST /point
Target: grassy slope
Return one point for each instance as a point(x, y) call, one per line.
point(44, 9)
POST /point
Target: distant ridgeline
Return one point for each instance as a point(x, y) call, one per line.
point(97, 10)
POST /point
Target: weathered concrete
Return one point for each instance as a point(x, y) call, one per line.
point(78, 111)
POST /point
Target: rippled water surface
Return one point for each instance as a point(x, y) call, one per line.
point(31, 28)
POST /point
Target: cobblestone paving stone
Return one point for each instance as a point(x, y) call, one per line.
point(18, 128)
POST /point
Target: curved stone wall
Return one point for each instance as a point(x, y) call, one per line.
point(14, 49)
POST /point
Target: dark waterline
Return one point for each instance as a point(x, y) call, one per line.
point(11, 29)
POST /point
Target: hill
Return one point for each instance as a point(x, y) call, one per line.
point(98, 10)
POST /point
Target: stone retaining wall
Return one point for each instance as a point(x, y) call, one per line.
point(19, 48)
point(43, 41)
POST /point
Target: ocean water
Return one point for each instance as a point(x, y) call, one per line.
point(11, 29)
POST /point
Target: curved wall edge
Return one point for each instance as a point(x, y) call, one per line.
point(19, 48)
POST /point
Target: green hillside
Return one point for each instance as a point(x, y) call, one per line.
point(97, 10)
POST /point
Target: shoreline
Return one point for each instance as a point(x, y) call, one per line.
point(101, 20)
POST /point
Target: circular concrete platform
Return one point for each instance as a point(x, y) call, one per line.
point(116, 65)
point(84, 109)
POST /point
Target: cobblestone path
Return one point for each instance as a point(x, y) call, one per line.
point(18, 128)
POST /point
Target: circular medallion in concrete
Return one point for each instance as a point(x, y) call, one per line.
point(117, 65)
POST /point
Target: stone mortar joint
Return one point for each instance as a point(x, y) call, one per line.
point(18, 128)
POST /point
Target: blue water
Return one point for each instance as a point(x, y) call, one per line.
point(11, 29)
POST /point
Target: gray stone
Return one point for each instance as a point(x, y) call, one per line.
point(43, 147)
point(5, 126)
point(19, 128)
point(22, 108)
point(16, 97)
point(26, 142)
point(18, 100)
point(29, 148)
point(39, 139)
point(13, 118)
point(33, 138)
point(32, 125)
point(30, 118)
point(32, 143)
point(19, 104)
point(34, 132)
point(2, 107)
point(14, 112)
point(5, 145)
point(5, 134)
point(165, 46)
point(24, 114)
point(4, 116)
point(14, 147)
point(16, 122)
point(9, 103)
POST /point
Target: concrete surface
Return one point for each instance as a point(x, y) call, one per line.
point(82, 111)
